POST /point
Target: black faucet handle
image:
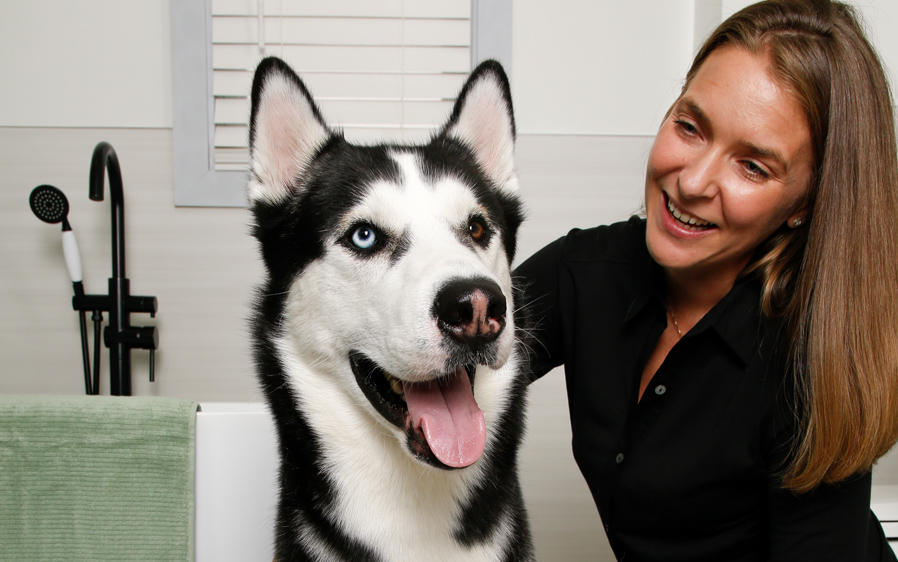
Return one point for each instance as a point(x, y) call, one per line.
point(134, 303)
point(140, 338)
point(143, 338)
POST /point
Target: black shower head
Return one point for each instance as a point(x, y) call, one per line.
point(50, 205)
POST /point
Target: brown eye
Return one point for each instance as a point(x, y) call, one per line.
point(476, 230)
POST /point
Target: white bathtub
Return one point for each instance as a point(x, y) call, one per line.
point(236, 483)
point(236, 487)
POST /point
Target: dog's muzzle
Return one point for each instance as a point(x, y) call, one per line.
point(443, 424)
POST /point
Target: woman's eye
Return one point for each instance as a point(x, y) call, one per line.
point(755, 171)
point(686, 127)
point(364, 237)
point(477, 230)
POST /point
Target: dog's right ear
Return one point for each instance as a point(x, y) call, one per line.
point(286, 131)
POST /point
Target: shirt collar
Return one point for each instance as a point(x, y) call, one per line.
point(736, 317)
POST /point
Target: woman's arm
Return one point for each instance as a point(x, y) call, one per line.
point(538, 278)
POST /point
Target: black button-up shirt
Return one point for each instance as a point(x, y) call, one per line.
point(690, 472)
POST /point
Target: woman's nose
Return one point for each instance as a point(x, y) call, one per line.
point(700, 175)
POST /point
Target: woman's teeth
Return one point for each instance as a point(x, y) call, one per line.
point(686, 219)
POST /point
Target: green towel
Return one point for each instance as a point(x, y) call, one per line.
point(96, 478)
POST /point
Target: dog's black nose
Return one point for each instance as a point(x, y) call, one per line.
point(471, 310)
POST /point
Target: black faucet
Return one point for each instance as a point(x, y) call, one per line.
point(119, 336)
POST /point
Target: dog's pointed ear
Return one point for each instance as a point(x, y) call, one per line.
point(483, 119)
point(286, 131)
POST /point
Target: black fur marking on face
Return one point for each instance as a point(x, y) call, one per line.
point(291, 232)
point(401, 247)
point(446, 157)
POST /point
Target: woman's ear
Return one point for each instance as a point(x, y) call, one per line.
point(797, 219)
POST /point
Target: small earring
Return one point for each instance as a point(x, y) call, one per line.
point(797, 222)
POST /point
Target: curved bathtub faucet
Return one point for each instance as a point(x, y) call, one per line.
point(120, 337)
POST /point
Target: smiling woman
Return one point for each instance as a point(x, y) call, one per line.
point(731, 359)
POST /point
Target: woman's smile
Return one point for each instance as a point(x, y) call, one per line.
point(682, 220)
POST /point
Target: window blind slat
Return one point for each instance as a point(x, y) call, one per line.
point(442, 86)
point(362, 8)
point(421, 59)
point(231, 136)
point(443, 8)
point(232, 111)
point(231, 82)
point(437, 33)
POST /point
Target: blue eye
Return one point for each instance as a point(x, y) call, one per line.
point(363, 237)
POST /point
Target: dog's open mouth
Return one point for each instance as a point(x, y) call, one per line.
point(444, 426)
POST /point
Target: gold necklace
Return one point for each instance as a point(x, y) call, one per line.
point(674, 318)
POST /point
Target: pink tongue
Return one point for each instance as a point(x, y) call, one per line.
point(449, 417)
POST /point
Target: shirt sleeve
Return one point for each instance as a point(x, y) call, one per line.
point(538, 278)
point(831, 523)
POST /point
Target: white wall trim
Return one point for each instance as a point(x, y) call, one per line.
point(197, 183)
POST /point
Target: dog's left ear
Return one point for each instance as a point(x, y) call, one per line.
point(483, 119)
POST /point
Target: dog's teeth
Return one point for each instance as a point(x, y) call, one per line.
point(395, 385)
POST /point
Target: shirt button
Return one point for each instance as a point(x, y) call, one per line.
point(660, 389)
point(619, 458)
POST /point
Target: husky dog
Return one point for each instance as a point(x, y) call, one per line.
point(385, 337)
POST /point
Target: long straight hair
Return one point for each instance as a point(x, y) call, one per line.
point(833, 281)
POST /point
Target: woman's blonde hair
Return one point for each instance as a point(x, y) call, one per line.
point(833, 281)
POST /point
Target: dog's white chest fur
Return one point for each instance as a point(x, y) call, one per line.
point(405, 510)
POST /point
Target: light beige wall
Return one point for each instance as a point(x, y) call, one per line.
point(89, 63)
point(598, 66)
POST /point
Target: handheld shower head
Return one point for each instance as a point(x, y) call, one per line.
point(50, 205)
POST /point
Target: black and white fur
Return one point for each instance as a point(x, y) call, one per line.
point(335, 314)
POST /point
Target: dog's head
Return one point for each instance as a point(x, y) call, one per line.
point(395, 260)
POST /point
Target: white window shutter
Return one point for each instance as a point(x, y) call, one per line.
point(388, 69)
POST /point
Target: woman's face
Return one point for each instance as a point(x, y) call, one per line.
point(731, 164)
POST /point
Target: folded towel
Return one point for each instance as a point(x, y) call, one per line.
point(96, 478)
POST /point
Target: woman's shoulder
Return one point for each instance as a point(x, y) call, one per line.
point(620, 242)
